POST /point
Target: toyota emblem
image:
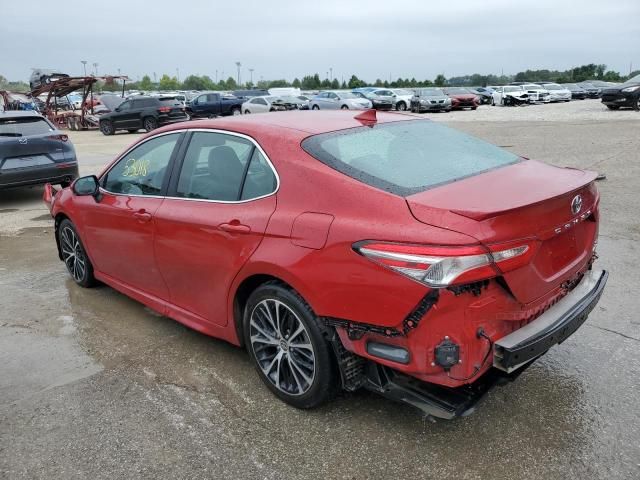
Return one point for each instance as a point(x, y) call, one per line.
point(576, 204)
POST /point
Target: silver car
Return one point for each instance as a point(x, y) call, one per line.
point(334, 100)
point(429, 100)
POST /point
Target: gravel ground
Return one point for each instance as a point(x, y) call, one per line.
point(94, 385)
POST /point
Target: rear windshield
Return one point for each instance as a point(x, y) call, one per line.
point(23, 126)
point(169, 101)
point(406, 157)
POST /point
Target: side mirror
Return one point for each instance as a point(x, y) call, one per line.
point(87, 186)
point(117, 109)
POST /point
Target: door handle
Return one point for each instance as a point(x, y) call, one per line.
point(142, 216)
point(234, 226)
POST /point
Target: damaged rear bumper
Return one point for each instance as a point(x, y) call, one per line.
point(552, 327)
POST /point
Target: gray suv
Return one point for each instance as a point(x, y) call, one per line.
point(33, 151)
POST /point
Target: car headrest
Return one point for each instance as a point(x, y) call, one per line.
point(225, 166)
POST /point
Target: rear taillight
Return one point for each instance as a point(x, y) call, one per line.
point(439, 266)
point(62, 137)
point(164, 109)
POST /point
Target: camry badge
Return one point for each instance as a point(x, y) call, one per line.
point(23, 140)
point(576, 204)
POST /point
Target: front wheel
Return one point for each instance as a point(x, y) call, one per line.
point(247, 112)
point(344, 107)
point(74, 255)
point(315, 107)
point(236, 111)
point(401, 106)
point(106, 127)
point(149, 123)
point(613, 107)
point(287, 347)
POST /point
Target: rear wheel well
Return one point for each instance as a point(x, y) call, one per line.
point(58, 220)
point(245, 289)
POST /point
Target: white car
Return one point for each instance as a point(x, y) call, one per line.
point(258, 105)
point(509, 95)
point(557, 93)
point(403, 98)
point(537, 93)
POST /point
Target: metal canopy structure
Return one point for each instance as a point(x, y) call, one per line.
point(62, 87)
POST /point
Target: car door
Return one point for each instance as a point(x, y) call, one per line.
point(123, 116)
point(212, 221)
point(119, 229)
point(199, 105)
point(213, 104)
point(332, 101)
point(259, 105)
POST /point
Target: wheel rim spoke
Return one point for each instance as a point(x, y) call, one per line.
point(288, 365)
point(72, 254)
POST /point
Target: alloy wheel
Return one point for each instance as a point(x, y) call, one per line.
point(72, 254)
point(282, 347)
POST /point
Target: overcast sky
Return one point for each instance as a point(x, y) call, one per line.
point(290, 38)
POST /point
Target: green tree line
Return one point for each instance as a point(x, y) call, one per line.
point(314, 82)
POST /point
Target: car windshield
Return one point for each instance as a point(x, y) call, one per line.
point(532, 87)
point(633, 80)
point(347, 95)
point(169, 101)
point(551, 86)
point(402, 92)
point(458, 91)
point(406, 157)
point(23, 126)
point(512, 89)
point(430, 92)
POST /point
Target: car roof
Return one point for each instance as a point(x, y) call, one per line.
point(298, 123)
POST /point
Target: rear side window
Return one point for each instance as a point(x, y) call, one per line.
point(224, 168)
point(24, 126)
point(406, 157)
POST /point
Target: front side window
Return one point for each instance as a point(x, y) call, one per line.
point(142, 170)
point(225, 168)
point(406, 157)
point(124, 106)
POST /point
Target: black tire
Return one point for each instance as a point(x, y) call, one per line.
point(613, 107)
point(74, 254)
point(315, 107)
point(247, 112)
point(106, 127)
point(493, 102)
point(132, 130)
point(149, 123)
point(324, 380)
point(236, 111)
point(401, 106)
point(344, 107)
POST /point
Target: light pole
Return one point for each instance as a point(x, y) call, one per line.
point(84, 66)
point(95, 67)
point(331, 73)
point(251, 75)
point(216, 76)
point(238, 64)
point(178, 74)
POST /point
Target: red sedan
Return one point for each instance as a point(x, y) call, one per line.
point(462, 98)
point(344, 250)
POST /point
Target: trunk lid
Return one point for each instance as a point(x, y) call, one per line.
point(527, 200)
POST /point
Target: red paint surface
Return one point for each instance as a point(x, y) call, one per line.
point(189, 258)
